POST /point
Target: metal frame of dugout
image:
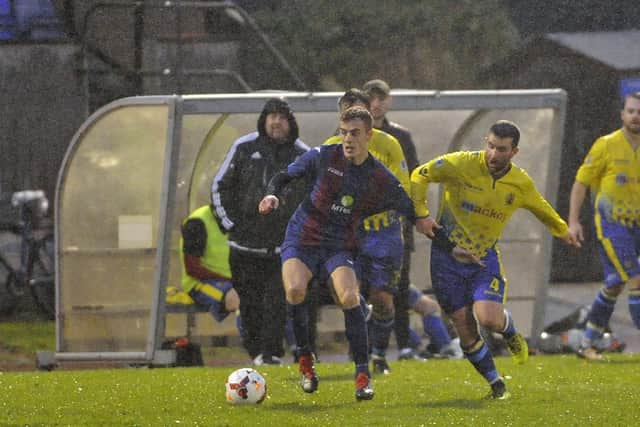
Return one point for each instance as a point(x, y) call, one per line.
point(138, 166)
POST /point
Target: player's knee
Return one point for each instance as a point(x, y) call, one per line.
point(426, 306)
point(382, 305)
point(296, 293)
point(349, 299)
point(231, 301)
point(491, 321)
point(383, 312)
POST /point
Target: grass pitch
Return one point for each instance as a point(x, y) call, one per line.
point(548, 390)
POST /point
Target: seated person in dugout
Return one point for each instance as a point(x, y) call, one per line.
point(206, 276)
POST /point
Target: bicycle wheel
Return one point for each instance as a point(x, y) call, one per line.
point(42, 285)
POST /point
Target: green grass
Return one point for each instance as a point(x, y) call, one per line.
point(548, 390)
point(27, 336)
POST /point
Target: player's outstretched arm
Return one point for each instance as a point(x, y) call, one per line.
point(268, 204)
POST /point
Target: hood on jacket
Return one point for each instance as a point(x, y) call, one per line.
point(275, 105)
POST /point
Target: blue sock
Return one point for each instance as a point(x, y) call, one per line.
point(601, 309)
point(414, 339)
point(509, 325)
point(299, 315)
point(434, 327)
point(481, 358)
point(380, 334)
point(289, 335)
point(356, 331)
point(634, 306)
point(241, 329)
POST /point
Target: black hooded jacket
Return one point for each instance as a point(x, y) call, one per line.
point(242, 180)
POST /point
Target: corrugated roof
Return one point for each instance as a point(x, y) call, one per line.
point(618, 49)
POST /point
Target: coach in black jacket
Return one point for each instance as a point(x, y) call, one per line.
point(255, 239)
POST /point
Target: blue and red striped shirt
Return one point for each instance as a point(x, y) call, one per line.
point(341, 195)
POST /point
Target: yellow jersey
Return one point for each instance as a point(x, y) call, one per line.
point(388, 151)
point(475, 207)
point(612, 171)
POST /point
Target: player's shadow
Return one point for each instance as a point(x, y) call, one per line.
point(347, 376)
point(454, 403)
point(306, 407)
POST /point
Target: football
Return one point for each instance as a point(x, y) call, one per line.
point(245, 385)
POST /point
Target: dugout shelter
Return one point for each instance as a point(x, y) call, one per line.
point(139, 165)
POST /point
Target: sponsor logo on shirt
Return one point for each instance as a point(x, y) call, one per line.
point(346, 202)
point(488, 212)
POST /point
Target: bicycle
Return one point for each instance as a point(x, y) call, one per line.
point(36, 268)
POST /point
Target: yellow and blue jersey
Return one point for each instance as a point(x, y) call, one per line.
point(612, 171)
point(475, 207)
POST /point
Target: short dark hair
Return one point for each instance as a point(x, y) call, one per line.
point(506, 129)
point(376, 88)
point(357, 113)
point(353, 96)
point(634, 95)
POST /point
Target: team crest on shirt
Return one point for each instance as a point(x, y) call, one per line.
point(621, 179)
point(509, 199)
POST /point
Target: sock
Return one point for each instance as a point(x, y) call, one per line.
point(599, 315)
point(380, 335)
point(437, 331)
point(241, 330)
point(414, 339)
point(356, 331)
point(365, 308)
point(509, 326)
point(481, 358)
point(634, 306)
point(299, 315)
point(289, 335)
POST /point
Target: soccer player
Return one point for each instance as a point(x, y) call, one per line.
point(381, 101)
point(612, 171)
point(482, 189)
point(380, 244)
point(349, 185)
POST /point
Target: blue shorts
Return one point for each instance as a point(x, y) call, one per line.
point(210, 294)
point(457, 285)
point(619, 250)
point(320, 260)
point(379, 259)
